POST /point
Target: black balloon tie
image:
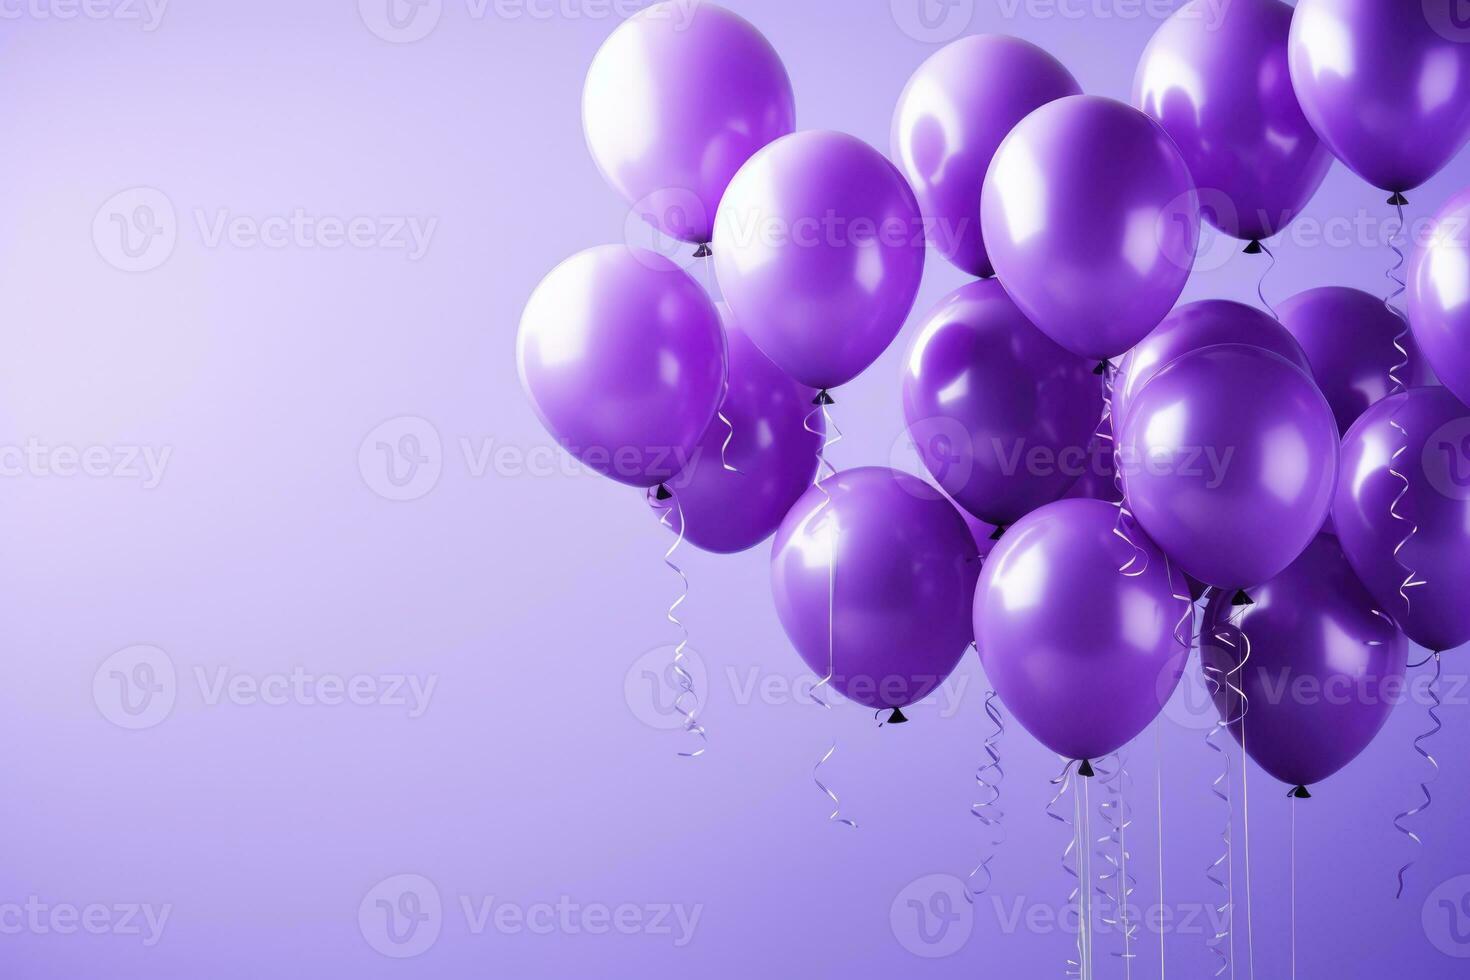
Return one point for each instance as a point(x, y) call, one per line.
point(1300, 793)
point(896, 717)
point(1398, 200)
point(662, 493)
point(1101, 369)
point(1253, 247)
point(703, 252)
point(1242, 599)
point(1000, 529)
point(1085, 769)
point(823, 398)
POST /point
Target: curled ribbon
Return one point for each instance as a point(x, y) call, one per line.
point(986, 809)
point(1071, 860)
point(1117, 817)
point(1106, 434)
point(686, 702)
point(1434, 729)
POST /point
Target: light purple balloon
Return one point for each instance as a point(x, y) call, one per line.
point(1323, 670)
point(1439, 294)
point(1432, 428)
point(1215, 77)
point(676, 100)
point(732, 497)
point(621, 354)
point(951, 117)
point(1229, 463)
point(1195, 326)
point(899, 590)
point(1083, 655)
point(1349, 337)
point(1000, 414)
point(1385, 83)
point(1091, 221)
point(819, 250)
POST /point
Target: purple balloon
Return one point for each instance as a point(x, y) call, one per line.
point(950, 119)
point(1229, 463)
point(1432, 429)
point(1091, 221)
point(1083, 655)
point(1439, 295)
point(676, 100)
point(1000, 414)
point(745, 476)
point(819, 250)
point(1195, 326)
point(899, 590)
point(1216, 78)
point(1385, 83)
point(1349, 339)
point(621, 354)
point(1323, 669)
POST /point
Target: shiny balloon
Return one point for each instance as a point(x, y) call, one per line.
point(819, 249)
point(1385, 83)
point(1195, 326)
point(1349, 338)
point(950, 119)
point(676, 100)
point(621, 354)
point(745, 475)
point(1229, 462)
point(1439, 294)
point(1322, 673)
point(875, 584)
point(1091, 221)
point(1215, 76)
point(1083, 655)
point(1432, 428)
point(1000, 414)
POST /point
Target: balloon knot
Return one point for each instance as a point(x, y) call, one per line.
point(999, 530)
point(1102, 368)
point(1300, 793)
point(1254, 248)
point(703, 251)
point(1085, 769)
point(663, 493)
point(1241, 599)
point(822, 398)
point(897, 717)
point(1398, 200)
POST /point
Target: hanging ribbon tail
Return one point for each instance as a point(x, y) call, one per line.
point(1396, 377)
point(986, 808)
point(686, 701)
point(1435, 725)
point(1137, 563)
point(1232, 636)
point(1260, 247)
point(1115, 887)
point(1070, 856)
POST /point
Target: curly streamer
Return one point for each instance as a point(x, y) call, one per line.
point(1106, 434)
point(1434, 729)
point(988, 778)
point(1395, 374)
point(822, 463)
point(1070, 859)
point(1117, 817)
point(1261, 283)
point(686, 702)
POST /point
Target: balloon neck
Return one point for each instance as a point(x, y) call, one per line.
point(1102, 368)
point(823, 398)
point(703, 251)
point(1241, 599)
point(897, 717)
point(1085, 769)
point(663, 493)
point(1300, 793)
point(995, 535)
point(1398, 200)
point(1254, 247)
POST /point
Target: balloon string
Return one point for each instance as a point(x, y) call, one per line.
point(1063, 782)
point(1292, 804)
point(1400, 343)
point(986, 809)
point(823, 464)
point(1245, 807)
point(1117, 818)
point(1125, 516)
point(1261, 283)
point(1434, 729)
point(1159, 800)
point(686, 701)
point(1084, 858)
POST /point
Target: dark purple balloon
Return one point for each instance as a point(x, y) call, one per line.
point(1385, 83)
point(1349, 339)
point(1433, 430)
point(1229, 463)
point(1195, 326)
point(621, 354)
point(1091, 221)
point(1083, 655)
point(819, 249)
point(1323, 670)
point(1215, 77)
point(1001, 414)
point(771, 456)
point(1439, 294)
point(899, 590)
point(950, 119)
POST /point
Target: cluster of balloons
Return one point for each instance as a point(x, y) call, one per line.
point(1308, 474)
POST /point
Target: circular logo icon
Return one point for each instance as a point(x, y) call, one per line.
point(942, 446)
point(401, 916)
point(1206, 209)
point(662, 222)
point(1446, 917)
point(136, 687)
point(656, 693)
point(1446, 459)
point(401, 21)
point(1450, 19)
point(1188, 702)
point(136, 230)
point(932, 21)
point(932, 917)
point(402, 458)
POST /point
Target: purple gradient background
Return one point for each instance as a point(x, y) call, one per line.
point(530, 598)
